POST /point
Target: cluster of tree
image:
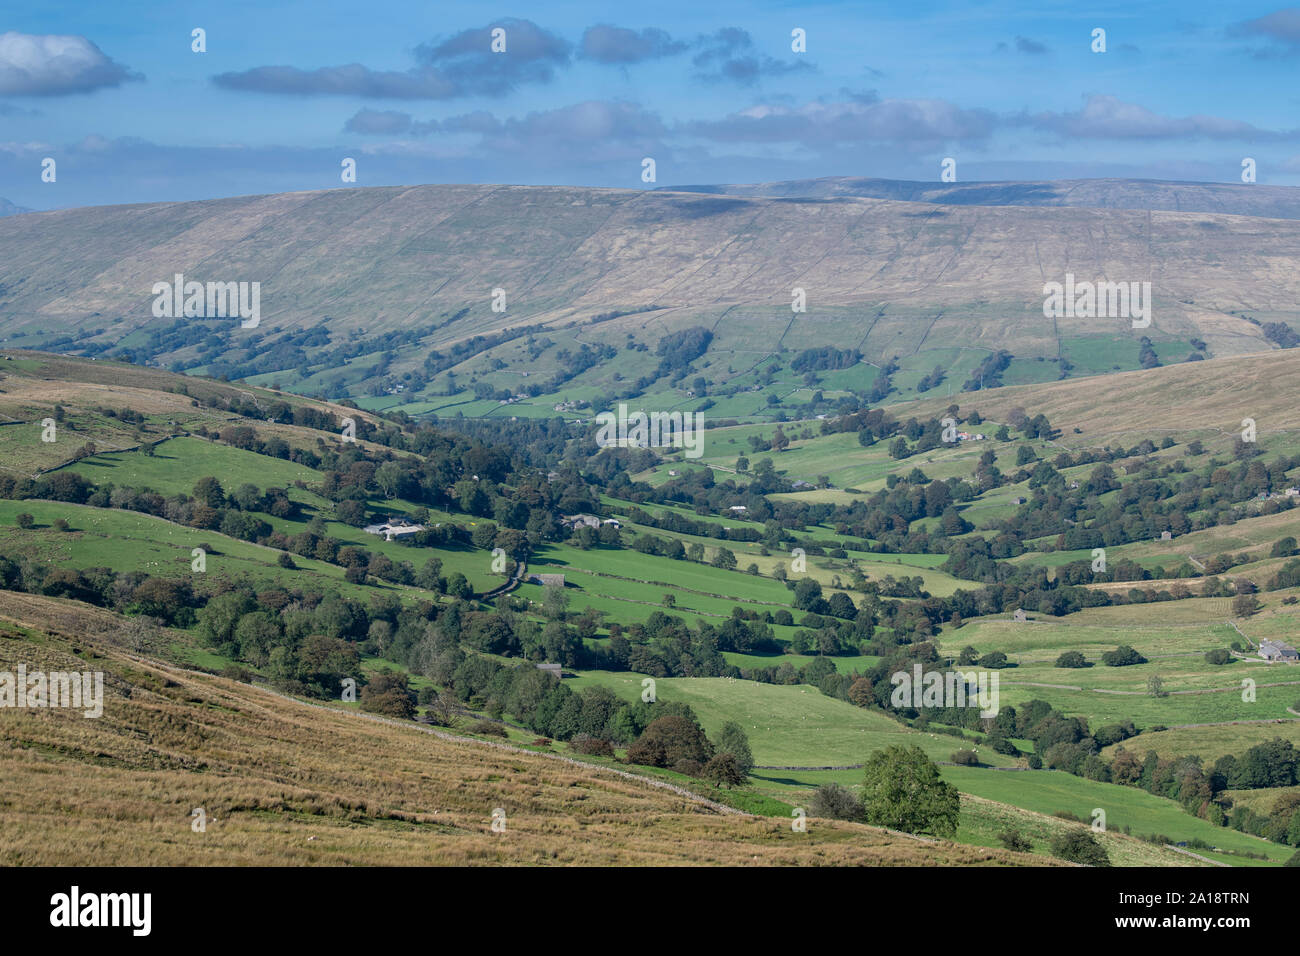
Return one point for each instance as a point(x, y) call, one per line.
point(989, 372)
point(869, 424)
point(302, 349)
point(1122, 656)
point(171, 601)
point(832, 639)
point(656, 734)
point(1162, 497)
point(1079, 846)
point(677, 741)
point(883, 384)
point(676, 351)
point(304, 642)
point(1200, 789)
point(679, 523)
point(1287, 576)
point(820, 672)
point(280, 412)
point(825, 359)
point(438, 361)
point(1281, 335)
point(932, 380)
point(216, 348)
point(1147, 357)
point(1280, 824)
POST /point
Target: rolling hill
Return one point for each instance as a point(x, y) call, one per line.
point(800, 734)
point(389, 292)
point(1239, 199)
point(1212, 396)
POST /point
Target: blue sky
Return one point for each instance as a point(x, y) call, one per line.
point(584, 91)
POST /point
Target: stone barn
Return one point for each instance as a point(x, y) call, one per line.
point(1277, 651)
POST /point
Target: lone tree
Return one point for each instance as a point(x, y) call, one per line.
point(1244, 605)
point(669, 739)
point(389, 694)
point(1122, 656)
point(862, 693)
point(1071, 659)
point(723, 768)
point(903, 791)
point(555, 601)
point(1013, 839)
point(835, 802)
point(735, 742)
point(1079, 846)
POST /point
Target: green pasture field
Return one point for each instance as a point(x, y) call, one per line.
point(181, 462)
point(1263, 801)
point(1197, 692)
point(787, 725)
point(993, 800)
point(645, 599)
point(875, 566)
point(130, 541)
point(982, 820)
point(1210, 742)
point(845, 665)
point(1048, 791)
point(662, 573)
point(22, 452)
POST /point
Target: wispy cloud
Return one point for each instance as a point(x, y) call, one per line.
point(1281, 26)
point(1108, 117)
point(863, 119)
point(463, 65)
point(618, 45)
point(730, 55)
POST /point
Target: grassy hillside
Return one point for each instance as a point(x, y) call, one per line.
point(616, 270)
point(794, 707)
point(1193, 399)
point(283, 783)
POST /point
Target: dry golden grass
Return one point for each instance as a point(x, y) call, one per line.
point(102, 381)
point(286, 783)
point(1184, 399)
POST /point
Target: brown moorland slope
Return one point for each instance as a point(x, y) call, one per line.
point(282, 782)
point(1241, 199)
point(887, 276)
point(1214, 395)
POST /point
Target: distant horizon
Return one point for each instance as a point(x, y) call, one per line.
point(152, 104)
point(680, 187)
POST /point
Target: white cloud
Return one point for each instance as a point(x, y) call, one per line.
point(53, 65)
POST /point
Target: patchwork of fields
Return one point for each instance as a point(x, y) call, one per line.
point(801, 735)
